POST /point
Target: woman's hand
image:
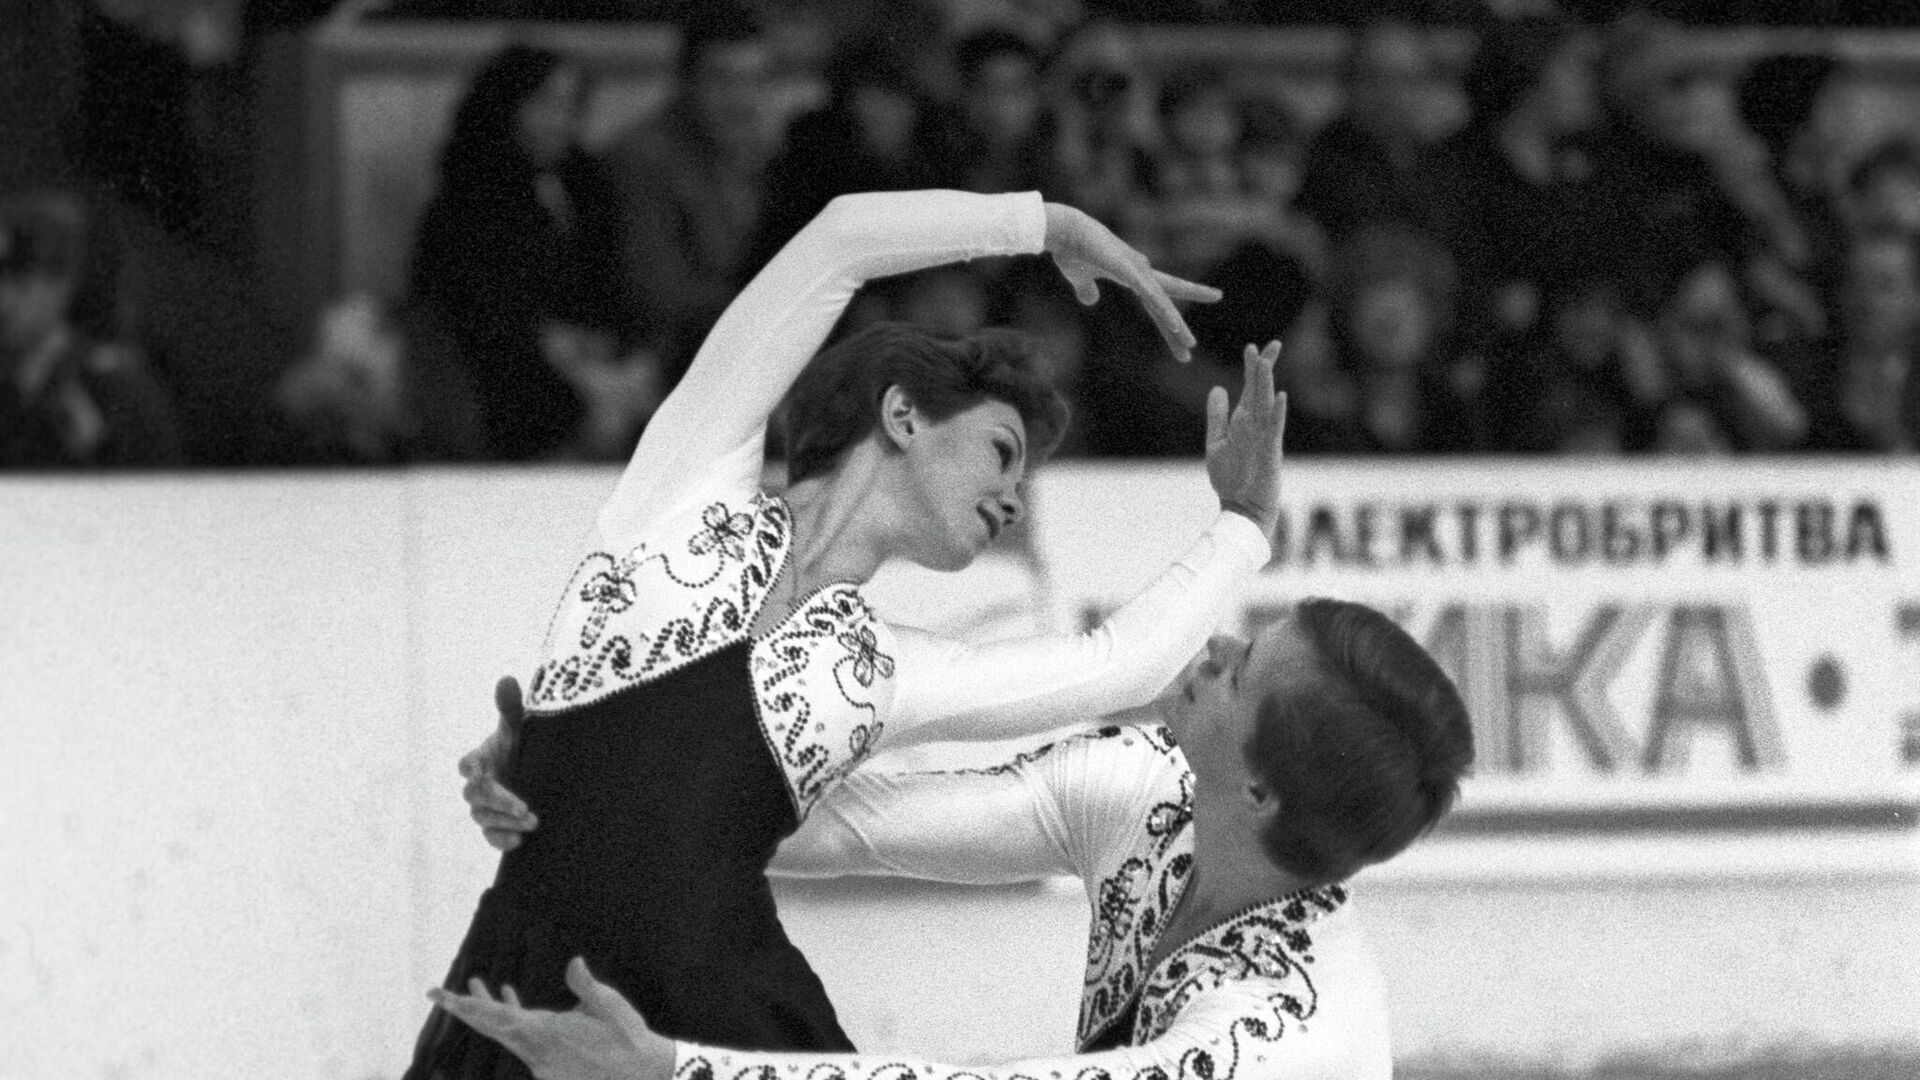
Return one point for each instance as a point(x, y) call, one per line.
point(502, 817)
point(1087, 251)
point(604, 1037)
point(1244, 448)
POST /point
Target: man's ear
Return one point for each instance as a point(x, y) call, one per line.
point(1260, 800)
point(899, 417)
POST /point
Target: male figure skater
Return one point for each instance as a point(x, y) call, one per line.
point(1213, 829)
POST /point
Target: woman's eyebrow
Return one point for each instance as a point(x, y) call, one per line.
point(1019, 443)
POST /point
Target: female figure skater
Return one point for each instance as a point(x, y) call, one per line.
point(713, 668)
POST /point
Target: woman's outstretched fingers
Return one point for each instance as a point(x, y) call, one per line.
point(1189, 291)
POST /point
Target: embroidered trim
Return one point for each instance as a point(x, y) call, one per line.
point(729, 566)
point(834, 634)
point(1131, 904)
point(1269, 942)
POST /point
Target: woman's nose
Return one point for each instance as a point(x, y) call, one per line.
point(1013, 502)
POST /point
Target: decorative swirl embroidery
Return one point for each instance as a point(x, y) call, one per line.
point(725, 532)
point(1269, 942)
point(1147, 887)
point(816, 752)
point(627, 628)
point(867, 656)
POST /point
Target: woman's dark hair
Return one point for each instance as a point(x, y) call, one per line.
point(1366, 756)
point(482, 151)
point(836, 401)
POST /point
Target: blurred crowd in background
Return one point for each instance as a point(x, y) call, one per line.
point(1527, 228)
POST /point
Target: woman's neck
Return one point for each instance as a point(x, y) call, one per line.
point(834, 534)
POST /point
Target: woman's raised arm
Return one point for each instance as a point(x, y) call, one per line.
point(716, 418)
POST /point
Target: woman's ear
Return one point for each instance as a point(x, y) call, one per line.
point(899, 418)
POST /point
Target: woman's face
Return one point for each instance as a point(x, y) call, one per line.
point(547, 121)
point(964, 480)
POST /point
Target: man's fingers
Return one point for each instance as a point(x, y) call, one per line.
point(486, 793)
point(599, 1000)
point(1216, 416)
point(490, 820)
point(506, 699)
point(483, 1014)
point(1262, 375)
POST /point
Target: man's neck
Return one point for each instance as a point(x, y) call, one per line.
point(1231, 873)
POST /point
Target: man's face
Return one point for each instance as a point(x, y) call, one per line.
point(1214, 705)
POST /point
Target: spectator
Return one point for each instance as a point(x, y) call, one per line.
point(1871, 400)
point(1106, 129)
point(999, 136)
point(1588, 378)
point(1883, 189)
point(1368, 165)
point(871, 135)
point(511, 259)
point(1722, 395)
point(66, 399)
point(1516, 183)
point(691, 182)
point(1795, 246)
point(1389, 327)
point(378, 388)
point(1671, 134)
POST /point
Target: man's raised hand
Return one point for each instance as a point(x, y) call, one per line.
point(1244, 445)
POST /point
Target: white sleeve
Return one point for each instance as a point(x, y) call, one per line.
point(1058, 810)
point(716, 418)
point(953, 690)
point(1226, 1033)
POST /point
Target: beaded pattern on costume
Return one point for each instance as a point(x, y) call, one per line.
point(1026, 758)
point(1268, 943)
point(614, 626)
point(817, 737)
point(1131, 904)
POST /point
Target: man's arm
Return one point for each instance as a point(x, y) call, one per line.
point(1241, 1030)
point(950, 689)
point(1046, 813)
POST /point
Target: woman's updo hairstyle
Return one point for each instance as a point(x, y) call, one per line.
point(836, 401)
